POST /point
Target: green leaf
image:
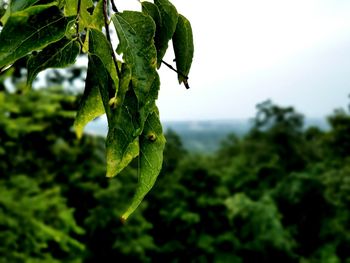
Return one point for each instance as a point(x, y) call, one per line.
point(136, 31)
point(97, 19)
point(29, 30)
point(152, 142)
point(153, 11)
point(124, 84)
point(149, 104)
point(165, 31)
point(71, 9)
point(87, 18)
point(91, 105)
point(18, 5)
point(15, 6)
point(183, 47)
point(57, 55)
point(122, 144)
point(100, 47)
point(121, 109)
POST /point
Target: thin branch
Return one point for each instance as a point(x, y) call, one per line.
point(77, 32)
point(114, 7)
point(78, 17)
point(174, 69)
point(178, 72)
point(109, 38)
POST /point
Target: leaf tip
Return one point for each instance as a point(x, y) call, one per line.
point(127, 214)
point(123, 219)
point(109, 174)
point(78, 131)
point(112, 170)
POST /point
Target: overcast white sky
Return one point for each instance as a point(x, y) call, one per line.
point(294, 52)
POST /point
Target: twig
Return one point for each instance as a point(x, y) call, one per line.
point(178, 72)
point(174, 69)
point(78, 17)
point(109, 38)
point(114, 7)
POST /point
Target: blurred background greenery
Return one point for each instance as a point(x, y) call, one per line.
point(278, 193)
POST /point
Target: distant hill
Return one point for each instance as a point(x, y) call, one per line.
point(203, 136)
point(206, 136)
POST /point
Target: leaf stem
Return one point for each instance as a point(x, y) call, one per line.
point(178, 72)
point(109, 37)
point(77, 24)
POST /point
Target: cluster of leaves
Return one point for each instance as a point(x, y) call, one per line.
point(51, 34)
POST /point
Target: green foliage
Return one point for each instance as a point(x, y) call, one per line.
point(31, 29)
point(31, 218)
point(245, 203)
point(259, 224)
point(36, 221)
point(60, 54)
point(278, 194)
point(51, 34)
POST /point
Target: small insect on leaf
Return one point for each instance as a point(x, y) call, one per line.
point(152, 136)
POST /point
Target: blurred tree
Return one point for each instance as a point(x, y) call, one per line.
point(273, 148)
point(38, 146)
point(36, 223)
point(192, 224)
point(174, 152)
point(338, 138)
point(35, 220)
point(258, 229)
point(279, 129)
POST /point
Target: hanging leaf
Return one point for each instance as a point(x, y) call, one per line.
point(166, 29)
point(91, 105)
point(153, 11)
point(183, 48)
point(29, 30)
point(108, 82)
point(152, 144)
point(136, 31)
point(121, 109)
point(99, 46)
point(58, 55)
point(122, 145)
